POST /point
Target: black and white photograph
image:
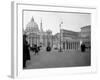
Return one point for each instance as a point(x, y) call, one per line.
point(55, 39)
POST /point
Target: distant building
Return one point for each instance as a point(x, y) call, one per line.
point(85, 35)
point(37, 36)
point(71, 40)
point(86, 32)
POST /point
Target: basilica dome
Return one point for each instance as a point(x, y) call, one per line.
point(32, 27)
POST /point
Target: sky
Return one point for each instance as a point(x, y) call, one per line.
point(51, 20)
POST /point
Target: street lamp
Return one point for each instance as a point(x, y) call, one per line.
point(60, 36)
point(36, 38)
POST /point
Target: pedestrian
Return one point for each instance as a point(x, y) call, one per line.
point(35, 49)
point(26, 53)
point(48, 47)
point(83, 47)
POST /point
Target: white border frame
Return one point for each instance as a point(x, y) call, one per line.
point(17, 69)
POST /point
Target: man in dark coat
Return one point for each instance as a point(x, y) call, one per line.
point(83, 47)
point(26, 53)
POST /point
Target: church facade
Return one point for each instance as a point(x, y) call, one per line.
point(37, 36)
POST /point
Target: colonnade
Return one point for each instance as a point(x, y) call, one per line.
point(71, 45)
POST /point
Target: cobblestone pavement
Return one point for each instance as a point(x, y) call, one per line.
point(55, 58)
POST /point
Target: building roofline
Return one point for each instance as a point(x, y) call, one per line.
point(86, 26)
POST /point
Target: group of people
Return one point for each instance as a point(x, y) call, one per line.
point(35, 49)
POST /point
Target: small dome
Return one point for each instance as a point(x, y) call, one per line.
point(32, 26)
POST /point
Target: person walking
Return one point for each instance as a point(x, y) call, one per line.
point(36, 49)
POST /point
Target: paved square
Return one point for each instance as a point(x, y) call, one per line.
point(59, 59)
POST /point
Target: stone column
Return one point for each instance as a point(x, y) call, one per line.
point(72, 46)
point(65, 45)
point(75, 45)
point(69, 45)
point(78, 45)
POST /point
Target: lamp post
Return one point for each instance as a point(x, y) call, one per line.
point(60, 36)
point(36, 38)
